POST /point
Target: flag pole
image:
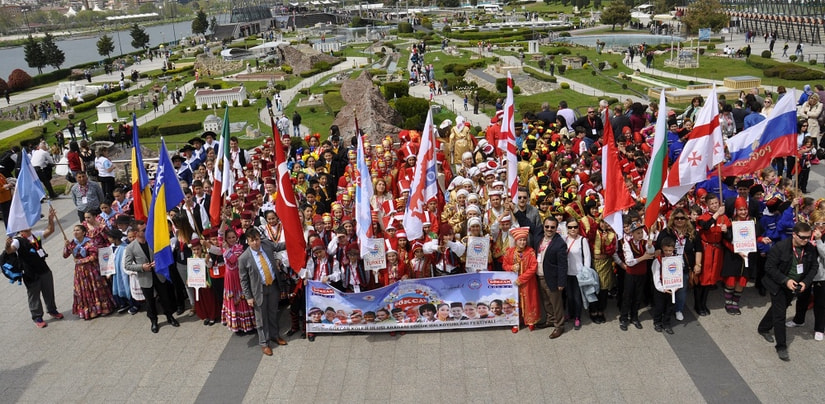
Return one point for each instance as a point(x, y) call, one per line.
point(719, 171)
point(51, 209)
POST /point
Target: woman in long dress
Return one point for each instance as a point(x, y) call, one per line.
point(521, 259)
point(92, 296)
point(120, 280)
point(236, 313)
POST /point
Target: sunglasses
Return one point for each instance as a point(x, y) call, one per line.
point(550, 227)
point(803, 236)
point(819, 224)
point(572, 227)
point(522, 197)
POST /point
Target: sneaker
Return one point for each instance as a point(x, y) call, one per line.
point(679, 316)
point(792, 324)
point(819, 336)
point(577, 324)
point(783, 354)
point(133, 310)
point(56, 315)
point(40, 323)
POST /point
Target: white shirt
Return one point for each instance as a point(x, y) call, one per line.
point(41, 158)
point(104, 167)
point(578, 255)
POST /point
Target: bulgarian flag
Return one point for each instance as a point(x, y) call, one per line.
point(223, 179)
point(616, 196)
point(657, 168)
point(141, 192)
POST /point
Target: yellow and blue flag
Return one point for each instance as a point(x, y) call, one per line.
point(141, 192)
point(167, 194)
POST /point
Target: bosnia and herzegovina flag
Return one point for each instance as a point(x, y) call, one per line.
point(166, 195)
point(141, 192)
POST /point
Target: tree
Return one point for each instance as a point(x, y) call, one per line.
point(616, 13)
point(213, 24)
point(139, 37)
point(705, 14)
point(33, 54)
point(19, 80)
point(200, 24)
point(51, 52)
point(105, 46)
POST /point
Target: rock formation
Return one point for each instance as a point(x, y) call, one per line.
point(302, 57)
point(375, 116)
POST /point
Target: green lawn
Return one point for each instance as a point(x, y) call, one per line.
point(717, 68)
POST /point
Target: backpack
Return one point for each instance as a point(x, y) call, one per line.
point(12, 267)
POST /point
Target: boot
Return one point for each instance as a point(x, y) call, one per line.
point(704, 300)
point(730, 306)
point(294, 320)
point(736, 297)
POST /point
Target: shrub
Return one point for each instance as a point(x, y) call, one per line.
point(564, 34)
point(214, 105)
point(204, 106)
point(413, 122)
point(202, 84)
point(711, 46)
point(412, 106)
point(50, 77)
point(178, 128)
point(565, 85)
point(183, 109)
point(624, 86)
point(562, 68)
point(405, 28)
point(256, 95)
point(217, 86)
point(559, 50)
point(460, 70)
point(516, 90)
point(396, 90)
point(792, 58)
point(19, 80)
point(766, 54)
point(447, 29)
point(529, 106)
point(234, 103)
point(501, 84)
point(322, 66)
point(448, 68)
point(600, 66)
point(193, 107)
point(286, 69)
point(592, 72)
point(309, 73)
point(614, 65)
point(812, 62)
point(3, 85)
point(611, 100)
point(223, 104)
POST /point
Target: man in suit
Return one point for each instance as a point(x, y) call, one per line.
point(261, 286)
point(554, 266)
point(789, 270)
point(140, 259)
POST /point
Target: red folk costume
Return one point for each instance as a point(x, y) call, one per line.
point(711, 235)
point(524, 263)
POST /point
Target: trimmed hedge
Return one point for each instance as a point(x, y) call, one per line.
point(178, 128)
point(23, 138)
point(396, 90)
point(111, 97)
point(51, 76)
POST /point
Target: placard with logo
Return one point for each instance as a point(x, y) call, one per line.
point(672, 275)
point(106, 261)
point(474, 300)
point(744, 237)
point(478, 251)
point(376, 259)
point(196, 273)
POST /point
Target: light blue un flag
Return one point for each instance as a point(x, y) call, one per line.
point(704, 34)
point(25, 204)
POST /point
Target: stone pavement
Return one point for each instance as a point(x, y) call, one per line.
point(717, 359)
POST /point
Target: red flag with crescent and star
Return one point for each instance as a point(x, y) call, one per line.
point(287, 208)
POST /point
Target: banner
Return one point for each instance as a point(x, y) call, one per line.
point(478, 252)
point(106, 261)
point(704, 34)
point(476, 300)
point(376, 258)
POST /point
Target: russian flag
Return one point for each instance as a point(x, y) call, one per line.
point(754, 148)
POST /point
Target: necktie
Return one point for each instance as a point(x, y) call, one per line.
point(265, 267)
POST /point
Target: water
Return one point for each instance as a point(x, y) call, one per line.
point(84, 49)
point(621, 40)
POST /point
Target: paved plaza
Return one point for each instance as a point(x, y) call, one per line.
point(719, 358)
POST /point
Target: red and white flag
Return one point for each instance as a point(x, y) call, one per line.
point(424, 184)
point(507, 142)
point(223, 180)
point(287, 208)
point(617, 197)
point(703, 150)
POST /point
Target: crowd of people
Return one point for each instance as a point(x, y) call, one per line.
point(570, 262)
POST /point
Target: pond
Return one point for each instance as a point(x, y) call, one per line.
point(620, 40)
